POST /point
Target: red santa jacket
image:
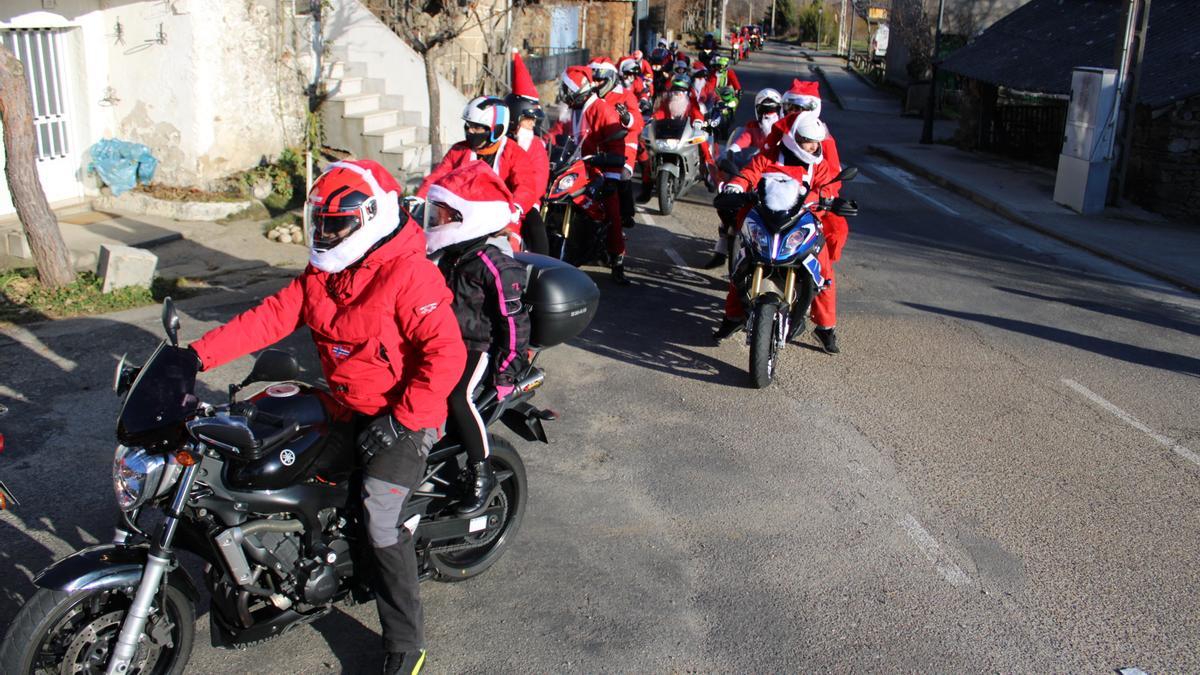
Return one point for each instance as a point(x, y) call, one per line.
point(627, 97)
point(835, 227)
point(509, 160)
point(596, 128)
point(537, 166)
point(384, 330)
point(769, 159)
point(752, 136)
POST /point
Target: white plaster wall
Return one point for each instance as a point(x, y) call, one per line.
point(350, 26)
point(225, 90)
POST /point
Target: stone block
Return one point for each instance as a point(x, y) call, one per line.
point(17, 246)
point(121, 266)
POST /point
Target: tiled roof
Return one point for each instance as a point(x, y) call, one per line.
point(1036, 46)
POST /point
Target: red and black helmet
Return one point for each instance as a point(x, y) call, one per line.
point(350, 198)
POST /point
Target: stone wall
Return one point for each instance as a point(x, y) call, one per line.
point(1164, 171)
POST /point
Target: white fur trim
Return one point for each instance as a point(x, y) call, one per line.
point(350, 251)
point(480, 219)
point(782, 191)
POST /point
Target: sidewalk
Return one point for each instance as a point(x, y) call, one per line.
point(1024, 194)
point(231, 255)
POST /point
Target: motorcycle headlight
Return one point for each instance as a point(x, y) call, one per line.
point(794, 240)
point(759, 235)
point(667, 144)
point(136, 476)
point(565, 183)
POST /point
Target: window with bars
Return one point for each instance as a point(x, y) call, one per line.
point(40, 52)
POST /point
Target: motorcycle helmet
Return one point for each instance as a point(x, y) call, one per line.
point(699, 70)
point(604, 73)
point(805, 95)
point(681, 82)
point(709, 40)
point(521, 107)
point(466, 204)
point(351, 207)
point(806, 127)
point(576, 86)
point(767, 101)
point(720, 63)
point(490, 114)
point(636, 55)
point(659, 56)
point(630, 71)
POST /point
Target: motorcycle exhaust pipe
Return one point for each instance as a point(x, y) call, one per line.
point(532, 382)
point(231, 543)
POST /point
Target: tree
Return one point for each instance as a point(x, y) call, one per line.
point(20, 169)
point(428, 25)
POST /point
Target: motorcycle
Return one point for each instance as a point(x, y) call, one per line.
point(776, 268)
point(7, 498)
point(573, 208)
point(721, 115)
point(264, 490)
point(674, 150)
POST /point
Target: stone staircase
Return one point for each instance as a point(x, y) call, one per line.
point(361, 117)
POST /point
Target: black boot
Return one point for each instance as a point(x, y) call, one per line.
point(485, 480)
point(618, 275)
point(716, 261)
point(646, 193)
point(404, 663)
point(828, 339)
point(728, 327)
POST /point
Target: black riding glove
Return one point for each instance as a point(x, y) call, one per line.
point(383, 434)
point(623, 115)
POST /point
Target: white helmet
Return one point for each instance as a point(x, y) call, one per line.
point(807, 127)
point(767, 94)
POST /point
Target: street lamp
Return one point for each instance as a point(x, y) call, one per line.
point(927, 130)
point(820, 20)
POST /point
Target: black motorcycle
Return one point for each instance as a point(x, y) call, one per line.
point(264, 490)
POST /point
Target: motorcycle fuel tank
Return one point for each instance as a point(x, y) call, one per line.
point(297, 456)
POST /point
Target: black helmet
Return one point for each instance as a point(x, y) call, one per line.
point(519, 107)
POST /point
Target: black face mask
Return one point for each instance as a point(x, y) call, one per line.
point(478, 140)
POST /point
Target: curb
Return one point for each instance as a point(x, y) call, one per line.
point(1024, 221)
point(828, 87)
point(861, 78)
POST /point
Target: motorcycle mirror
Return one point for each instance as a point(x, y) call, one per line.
point(847, 174)
point(273, 365)
point(170, 321)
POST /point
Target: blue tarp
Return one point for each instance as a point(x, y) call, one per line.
point(121, 164)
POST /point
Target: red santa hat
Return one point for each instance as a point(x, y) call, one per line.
point(805, 94)
point(522, 83)
point(482, 201)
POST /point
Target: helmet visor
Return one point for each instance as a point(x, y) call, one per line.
point(331, 229)
point(438, 214)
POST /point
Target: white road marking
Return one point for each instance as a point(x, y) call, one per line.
point(675, 257)
point(1132, 421)
point(909, 183)
point(13, 394)
point(863, 179)
point(932, 550)
point(647, 218)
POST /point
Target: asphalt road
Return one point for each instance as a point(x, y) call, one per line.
point(998, 473)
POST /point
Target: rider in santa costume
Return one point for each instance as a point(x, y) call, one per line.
point(525, 129)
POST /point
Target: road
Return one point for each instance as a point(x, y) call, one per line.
point(998, 472)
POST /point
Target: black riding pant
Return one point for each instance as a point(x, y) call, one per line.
point(533, 231)
point(389, 478)
point(463, 415)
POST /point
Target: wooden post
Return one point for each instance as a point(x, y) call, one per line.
point(20, 169)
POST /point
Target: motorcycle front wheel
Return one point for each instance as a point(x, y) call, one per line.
point(763, 351)
point(61, 632)
point(666, 192)
point(467, 560)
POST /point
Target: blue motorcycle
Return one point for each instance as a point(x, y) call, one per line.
point(775, 267)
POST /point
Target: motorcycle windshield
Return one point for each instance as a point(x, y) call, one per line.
point(161, 396)
point(670, 128)
point(562, 153)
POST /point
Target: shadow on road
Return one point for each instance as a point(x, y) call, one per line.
point(1124, 352)
point(1163, 316)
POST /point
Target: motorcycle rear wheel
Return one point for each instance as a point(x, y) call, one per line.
point(763, 351)
point(471, 562)
point(61, 632)
point(666, 192)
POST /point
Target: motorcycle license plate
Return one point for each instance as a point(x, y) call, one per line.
point(7, 498)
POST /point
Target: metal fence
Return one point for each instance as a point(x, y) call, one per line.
point(547, 64)
point(1031, 133)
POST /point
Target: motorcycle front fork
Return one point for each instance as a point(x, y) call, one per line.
point(782, 324)
point(159, 562)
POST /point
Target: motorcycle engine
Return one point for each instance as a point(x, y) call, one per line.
point(316, 578)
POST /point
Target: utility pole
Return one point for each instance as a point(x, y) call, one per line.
point(724, 4)
point(820, 20)
point(927, 130)
point(842, 40)
point(850, 40)
point(1128, 80)
point(773, 18)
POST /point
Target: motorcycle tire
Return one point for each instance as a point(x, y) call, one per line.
point(763, 351)
point(666, 192)
point(471, 562)
point(34, 640)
